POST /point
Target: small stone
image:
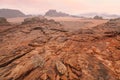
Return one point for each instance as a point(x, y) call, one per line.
point(61, 67)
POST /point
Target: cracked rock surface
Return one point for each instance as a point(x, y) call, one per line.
point(43, 50)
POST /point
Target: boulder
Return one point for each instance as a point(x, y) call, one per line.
point(61, 67)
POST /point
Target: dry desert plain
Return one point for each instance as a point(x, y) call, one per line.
point(69, 23)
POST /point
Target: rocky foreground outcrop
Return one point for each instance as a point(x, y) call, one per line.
point(45, 51)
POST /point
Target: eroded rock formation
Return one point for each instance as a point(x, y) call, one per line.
point(45, 51)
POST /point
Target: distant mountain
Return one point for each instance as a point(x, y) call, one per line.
point(104, 15)
point(11, 13)
point(97, 17)
point(54, 13)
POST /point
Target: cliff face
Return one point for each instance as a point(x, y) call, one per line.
point(10, 13)
point(54, 13)
point(43, 50)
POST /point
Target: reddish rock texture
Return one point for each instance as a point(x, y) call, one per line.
point(45, 51)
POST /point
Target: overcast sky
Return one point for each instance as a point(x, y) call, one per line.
point(68, 6)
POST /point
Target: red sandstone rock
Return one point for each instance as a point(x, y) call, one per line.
point(45, 51)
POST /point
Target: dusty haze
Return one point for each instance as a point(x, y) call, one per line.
point(69, 6)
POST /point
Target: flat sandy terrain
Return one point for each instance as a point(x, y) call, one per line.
point(16, 20)
point(77, 23)
point(70, 23)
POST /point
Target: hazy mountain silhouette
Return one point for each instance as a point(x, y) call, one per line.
point(54, 13)
point(104, 15)
point(10, 13)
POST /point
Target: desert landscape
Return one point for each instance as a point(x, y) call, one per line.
point(68, 22)
point(59, 46)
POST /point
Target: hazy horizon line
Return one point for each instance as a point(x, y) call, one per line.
point(61, 11)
